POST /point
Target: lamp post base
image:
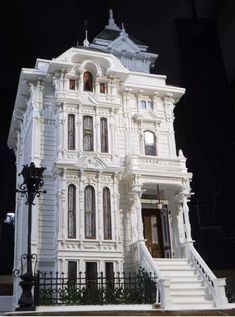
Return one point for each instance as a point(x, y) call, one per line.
point(26, 301)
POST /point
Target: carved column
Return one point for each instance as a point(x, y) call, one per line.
point(97, 147)
point(184, 212)
point(116, 197)
point(62, 75)
point(60, 131)
point(61, 204)
point(136, 213)
point(81, 233)
point(37, 101)
point(99, 210)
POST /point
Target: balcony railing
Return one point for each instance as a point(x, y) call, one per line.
point(119, 288)
point(154, 163)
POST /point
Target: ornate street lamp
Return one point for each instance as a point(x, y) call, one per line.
point(33, 181)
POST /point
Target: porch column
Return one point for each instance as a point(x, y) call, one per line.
point(136, 214)
point(184, 211)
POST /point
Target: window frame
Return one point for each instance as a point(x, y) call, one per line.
point(71, 132)
point(102, 88)
point(148, 147)
point(87, 82)
point(90, 212)
point(107, 214)
point(88, 133)
point(72, 271)
point(71, 211)
point(72, 84)
point(104, 144)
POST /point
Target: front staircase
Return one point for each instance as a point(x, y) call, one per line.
point(187, 289)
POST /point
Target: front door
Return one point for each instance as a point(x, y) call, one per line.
point(156, 232)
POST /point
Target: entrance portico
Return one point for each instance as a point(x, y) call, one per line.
point(159, 212)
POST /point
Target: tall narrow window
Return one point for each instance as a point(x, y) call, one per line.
point(72, 271)
point(71, 132)
point(87, 81)
point(150, 143)
point(109, 273)
point(91, 273)
point(102, 88)
point(72, 211)
point(72, 84)
point(107, 214)
point(104, 135)
point(89, 207)
point(87, 133)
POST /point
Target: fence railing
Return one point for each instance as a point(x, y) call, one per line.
point(119, 288)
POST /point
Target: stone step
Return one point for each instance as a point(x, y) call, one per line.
point(188, 291)
point(193, 306)
point(174, 267)
point(177, 273)
point(189, 298)
point(174, 261)
point(187, 279)
point(187, 285)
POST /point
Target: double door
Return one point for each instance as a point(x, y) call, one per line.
point(156, 232)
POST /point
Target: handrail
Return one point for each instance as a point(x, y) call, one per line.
point(143, 258)
point(216, 288)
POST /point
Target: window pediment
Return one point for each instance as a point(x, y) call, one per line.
point(147, 116)
point(91, 162)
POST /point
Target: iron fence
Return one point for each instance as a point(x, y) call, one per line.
point(120, 288)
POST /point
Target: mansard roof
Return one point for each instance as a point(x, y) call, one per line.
point(111, 35)
point(132, 53)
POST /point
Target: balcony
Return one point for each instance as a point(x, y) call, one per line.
point(156, 164)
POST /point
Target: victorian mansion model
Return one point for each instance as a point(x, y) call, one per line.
point(117, 191)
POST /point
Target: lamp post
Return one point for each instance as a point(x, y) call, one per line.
point(33, 181)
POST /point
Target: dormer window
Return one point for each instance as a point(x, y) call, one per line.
point(102, 88)
point(72, 84)
point(87, 81)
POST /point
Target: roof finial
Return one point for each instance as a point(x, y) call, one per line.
point(86, 43)
point(123, 29)
point(112, 25)
point(111, 15)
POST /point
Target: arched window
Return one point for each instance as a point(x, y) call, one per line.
point(87, 133)
point(104, 135)
point(150, 143)
point(107, 214)
point(89, 209)
point(72, 211)
point(71, 132)
point(87, 81)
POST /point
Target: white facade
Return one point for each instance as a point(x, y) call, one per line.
point(115, 136)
